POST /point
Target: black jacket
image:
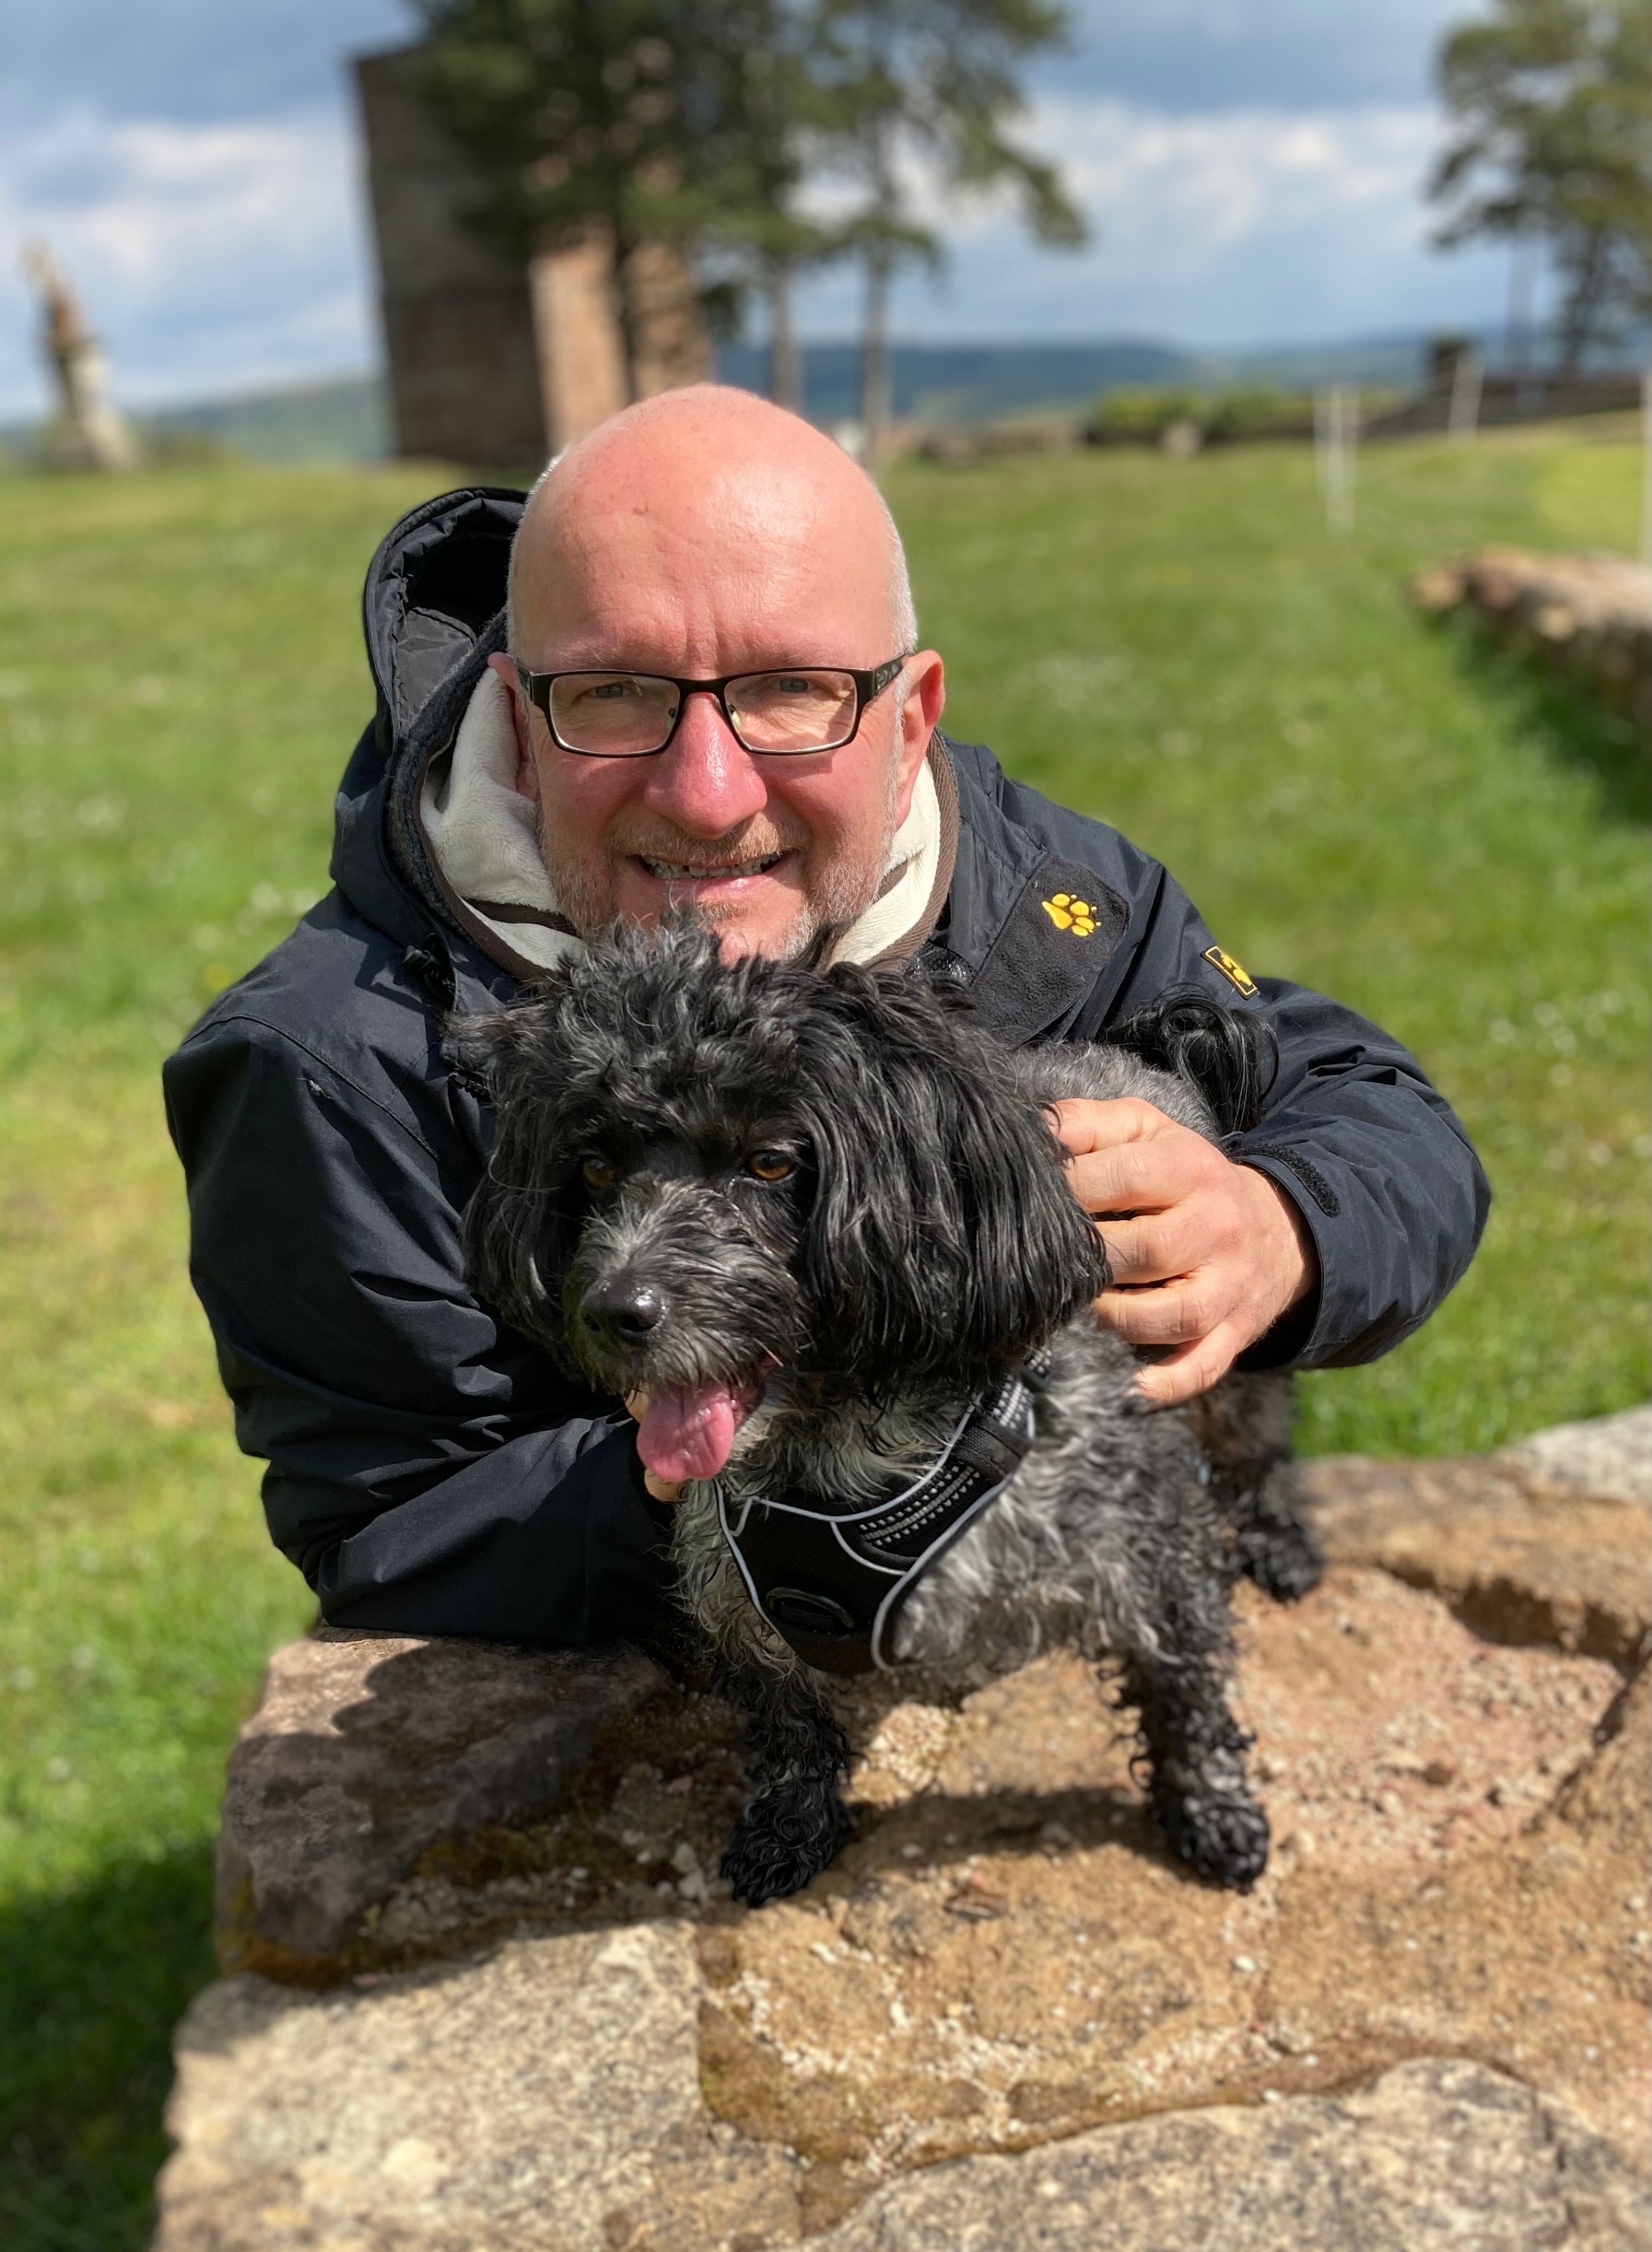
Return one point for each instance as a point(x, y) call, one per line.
point(429, 1470)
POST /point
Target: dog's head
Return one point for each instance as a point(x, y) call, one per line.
point(704, 1171)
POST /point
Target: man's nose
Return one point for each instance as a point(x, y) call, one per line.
point(705, 782)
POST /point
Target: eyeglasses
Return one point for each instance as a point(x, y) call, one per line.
point(784, 714)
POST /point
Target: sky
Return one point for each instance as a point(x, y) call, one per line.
point(1251, 171)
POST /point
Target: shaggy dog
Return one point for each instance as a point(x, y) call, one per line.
point(820, 1223)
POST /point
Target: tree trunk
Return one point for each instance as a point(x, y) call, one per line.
point(1581, 315)
point(877, 401)
point(785, 359)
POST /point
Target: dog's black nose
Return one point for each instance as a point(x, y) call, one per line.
point(631, 1309)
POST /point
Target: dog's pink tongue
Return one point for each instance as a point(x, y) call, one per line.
point(687, 1429)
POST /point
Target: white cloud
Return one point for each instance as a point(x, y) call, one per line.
point(1244, 227)
point(208, 256)
point(218, 256)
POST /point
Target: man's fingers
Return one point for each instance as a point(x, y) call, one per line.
point(1142, 1177)
point(1182, 1375)
point(1157, 1247)
point(1174, 1313)
point(1083, 1125)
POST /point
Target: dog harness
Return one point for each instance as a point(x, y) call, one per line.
point(833, 1581)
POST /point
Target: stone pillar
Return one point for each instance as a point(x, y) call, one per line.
point(672, 346)
point(88, 431)
point(458, 324)
point(577, 334)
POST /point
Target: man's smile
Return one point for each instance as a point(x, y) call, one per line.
point(709, 872)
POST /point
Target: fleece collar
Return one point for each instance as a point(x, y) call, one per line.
point(482, 835)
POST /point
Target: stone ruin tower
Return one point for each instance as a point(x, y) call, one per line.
point(489, 362)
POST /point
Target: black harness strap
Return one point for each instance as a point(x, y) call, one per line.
point(833, 1581)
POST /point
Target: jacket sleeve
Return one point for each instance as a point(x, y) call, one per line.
point(1375, 1159)
point(430, 1471)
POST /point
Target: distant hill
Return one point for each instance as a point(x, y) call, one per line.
point(951, 383)
point(947, 384)
point(348, 420)
point(345, 420)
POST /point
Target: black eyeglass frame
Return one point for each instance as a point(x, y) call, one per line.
point(868, 687)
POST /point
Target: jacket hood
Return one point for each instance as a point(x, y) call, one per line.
point(433, 611)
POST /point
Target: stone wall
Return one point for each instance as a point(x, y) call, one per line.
point(483, 1986)
point(490, 363)
point(458, 324)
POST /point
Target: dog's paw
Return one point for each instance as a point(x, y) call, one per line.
point(1222, 1837)
point(781, 1840)
point(1285, 1561)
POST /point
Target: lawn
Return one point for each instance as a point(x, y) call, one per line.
point(1353, 798)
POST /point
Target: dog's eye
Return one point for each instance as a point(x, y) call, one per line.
point(769, 1164)
point(598, 1173)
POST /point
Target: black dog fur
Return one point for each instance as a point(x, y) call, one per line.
point(914, 1240)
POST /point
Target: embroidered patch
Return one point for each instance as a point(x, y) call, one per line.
point(1235, 972)
point(1068, 913)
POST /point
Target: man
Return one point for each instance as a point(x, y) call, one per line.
point(707, 693)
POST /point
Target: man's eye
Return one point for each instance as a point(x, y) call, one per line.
point(769, 1164)
point(598, 1173)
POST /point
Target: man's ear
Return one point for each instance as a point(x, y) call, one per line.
point(925, 699)
point(526, 779)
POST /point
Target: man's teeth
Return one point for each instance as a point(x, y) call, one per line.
point(691, 871)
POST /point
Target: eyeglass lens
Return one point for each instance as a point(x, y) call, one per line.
point(619, 715)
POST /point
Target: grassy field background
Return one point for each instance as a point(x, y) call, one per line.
point(1353, 798)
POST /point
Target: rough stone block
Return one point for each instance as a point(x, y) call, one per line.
point(1518, 1559)
point(1437, 2154)
point(1610, 1455)
point(367, 1750)
point(1004, 2008)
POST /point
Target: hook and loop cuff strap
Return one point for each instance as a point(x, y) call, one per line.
point(832, 1581)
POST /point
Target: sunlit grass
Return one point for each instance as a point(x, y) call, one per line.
point(1352, 798)
point(1366, 804)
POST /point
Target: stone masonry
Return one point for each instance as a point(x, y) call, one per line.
point(483, 1988)
point(490, 363)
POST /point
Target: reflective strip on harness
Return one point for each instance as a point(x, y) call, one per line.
point(832, 1581)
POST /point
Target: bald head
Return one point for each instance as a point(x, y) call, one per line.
point(703, 535)
point(710, 508)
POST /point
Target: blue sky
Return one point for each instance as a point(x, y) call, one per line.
point(1250, 169)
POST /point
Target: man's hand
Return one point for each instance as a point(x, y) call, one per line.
point(1205, 1254)
point(637, 1405)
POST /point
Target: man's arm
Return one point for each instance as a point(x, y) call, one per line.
point(1322, 1238)
point(429, 1470)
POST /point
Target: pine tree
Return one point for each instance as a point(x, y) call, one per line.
point(933, 83)
point(1553, 103)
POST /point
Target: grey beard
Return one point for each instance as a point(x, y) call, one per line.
point(830, 904)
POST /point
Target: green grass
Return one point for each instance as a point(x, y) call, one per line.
point(1352, 798)
point(1369, 806)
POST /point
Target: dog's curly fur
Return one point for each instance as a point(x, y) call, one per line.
point(922, 1242)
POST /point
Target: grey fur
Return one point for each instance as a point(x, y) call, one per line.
point(864, 1303)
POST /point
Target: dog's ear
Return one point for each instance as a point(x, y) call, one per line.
point(519, 1239)
point(1230, 1056)
point(943, 1238)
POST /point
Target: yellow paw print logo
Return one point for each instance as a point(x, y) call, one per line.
point(1067, 912)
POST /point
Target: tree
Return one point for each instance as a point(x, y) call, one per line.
point(757, 233)
point(1552, 100)
point(651, 121)
point(905, 83)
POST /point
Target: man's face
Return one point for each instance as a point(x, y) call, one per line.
point(676, 564)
